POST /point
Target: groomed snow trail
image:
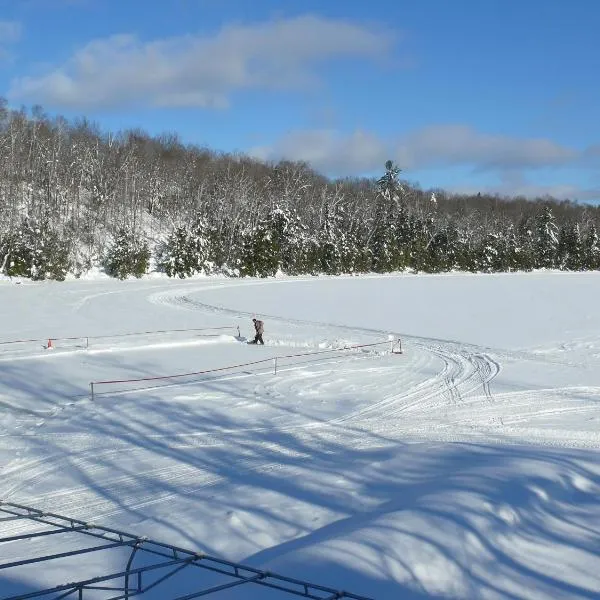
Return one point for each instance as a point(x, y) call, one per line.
point(457, 387)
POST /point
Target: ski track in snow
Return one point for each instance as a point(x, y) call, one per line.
point(441, 391)
point(465, 369)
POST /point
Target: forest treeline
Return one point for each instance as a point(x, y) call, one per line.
point(73, 197)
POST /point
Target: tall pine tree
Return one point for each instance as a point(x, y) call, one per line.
point(546, 239)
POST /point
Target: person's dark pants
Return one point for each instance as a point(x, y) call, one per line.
point(258, 339)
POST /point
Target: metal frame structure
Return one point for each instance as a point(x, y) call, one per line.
point(133, 581)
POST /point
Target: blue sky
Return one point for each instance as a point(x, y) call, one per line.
point(466, 95)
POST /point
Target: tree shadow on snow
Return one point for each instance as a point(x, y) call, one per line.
point(336, 505)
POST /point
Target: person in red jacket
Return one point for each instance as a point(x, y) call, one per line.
point(259, 327)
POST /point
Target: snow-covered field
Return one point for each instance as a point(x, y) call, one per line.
point(466, 467)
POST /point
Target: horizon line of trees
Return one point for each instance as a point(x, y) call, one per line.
point(73, 197)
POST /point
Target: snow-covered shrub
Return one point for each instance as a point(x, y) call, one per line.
point(187, 251)
point(546, 239)
point(259, 256)
point(128, 255)
point(175, 255)
point(35, 250)
point(591, 249)
point(15, 256)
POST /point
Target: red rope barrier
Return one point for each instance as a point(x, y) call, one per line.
point(115, 335)
point(247, 364)
point(23, 341)
point(97, 337)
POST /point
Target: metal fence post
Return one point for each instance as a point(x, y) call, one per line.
point(92, 389)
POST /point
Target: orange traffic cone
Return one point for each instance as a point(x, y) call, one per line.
point(49, 346)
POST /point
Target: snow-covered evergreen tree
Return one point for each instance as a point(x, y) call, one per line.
point(222, 248)
point(292, 241)
point(356, 255)
point(186, 251)
point(128, 254)
point(444, 249)
point(546, 239)
point(388, 185)
point(330, 241)
point(383, 243)
point(35, 250)
point(570, 248)
point(404, 238)
point(525, 252)
point(175, 256)
point(259, 252)
point(488, 258)
point(591, 249)
point(511, 249)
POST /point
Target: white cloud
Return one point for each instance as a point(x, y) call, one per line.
point(430, 147)
point(443, 146)
point(459, 144)
point(592, 155)
point(330, 152)
point(202, 70)
point(10, 33)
